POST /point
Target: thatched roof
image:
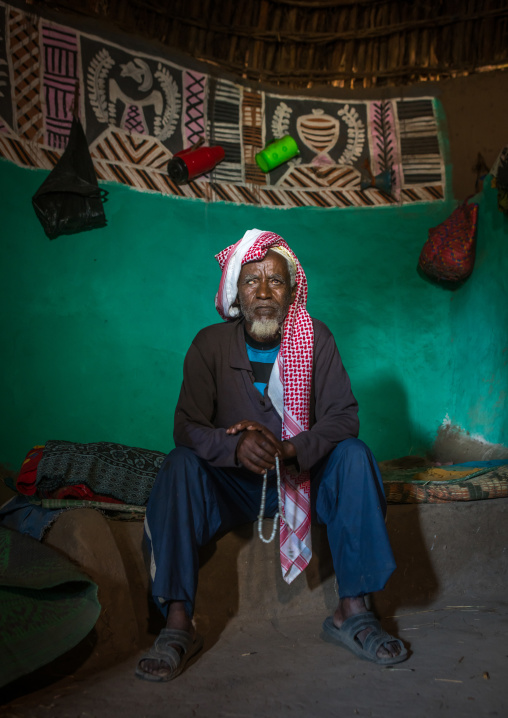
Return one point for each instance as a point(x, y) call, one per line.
point(303, 43)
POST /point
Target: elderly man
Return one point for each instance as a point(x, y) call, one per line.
point(266, 424)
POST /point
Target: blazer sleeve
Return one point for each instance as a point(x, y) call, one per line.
point(195, 410)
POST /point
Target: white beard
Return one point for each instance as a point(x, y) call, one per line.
point(262, 329)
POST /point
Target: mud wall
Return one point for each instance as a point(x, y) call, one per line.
point(95, 326)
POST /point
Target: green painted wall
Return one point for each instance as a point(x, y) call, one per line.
point(478, 351)
point(95, 326)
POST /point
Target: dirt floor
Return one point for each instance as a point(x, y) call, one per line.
point(458, 667)
point(264, 655)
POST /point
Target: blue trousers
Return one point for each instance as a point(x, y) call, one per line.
point(191, 502)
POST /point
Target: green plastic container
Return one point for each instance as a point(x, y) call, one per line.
point(276, 153)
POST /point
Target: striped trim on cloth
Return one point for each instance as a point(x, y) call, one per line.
point(289, 387)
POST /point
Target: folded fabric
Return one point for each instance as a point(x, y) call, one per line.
point(20, 514)
point(26, 482)
point(100, 471)
point(27, 477)
point(83, 493)
point(34, 517)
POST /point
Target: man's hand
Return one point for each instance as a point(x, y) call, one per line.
point(250, 426)
point(258, 447)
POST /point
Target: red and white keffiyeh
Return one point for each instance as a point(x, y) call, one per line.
point(288, 388)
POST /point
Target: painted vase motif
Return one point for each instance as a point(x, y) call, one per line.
point(320, 133)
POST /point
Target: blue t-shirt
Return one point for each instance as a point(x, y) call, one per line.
point(261, 356)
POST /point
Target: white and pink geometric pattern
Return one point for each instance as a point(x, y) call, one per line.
point(60, 63)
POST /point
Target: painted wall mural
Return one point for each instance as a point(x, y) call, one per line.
point(138, 109)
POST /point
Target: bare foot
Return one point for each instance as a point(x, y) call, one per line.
point(348, 607)
point(177, 618)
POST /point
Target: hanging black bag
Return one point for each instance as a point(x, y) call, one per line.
point(70, 200)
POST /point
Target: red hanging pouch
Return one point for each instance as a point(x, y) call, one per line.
point(448, 255)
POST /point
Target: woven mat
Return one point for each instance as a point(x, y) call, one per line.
point(415, 486)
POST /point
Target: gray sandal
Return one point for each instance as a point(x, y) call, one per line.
point(377, 637)
point(164, 649)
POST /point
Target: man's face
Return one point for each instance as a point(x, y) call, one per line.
point(264, 295)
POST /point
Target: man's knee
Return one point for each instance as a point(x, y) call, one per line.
point(349, 465)
point(181, 458)
point(350, 451)
point(350, 477)
point(180, 467)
